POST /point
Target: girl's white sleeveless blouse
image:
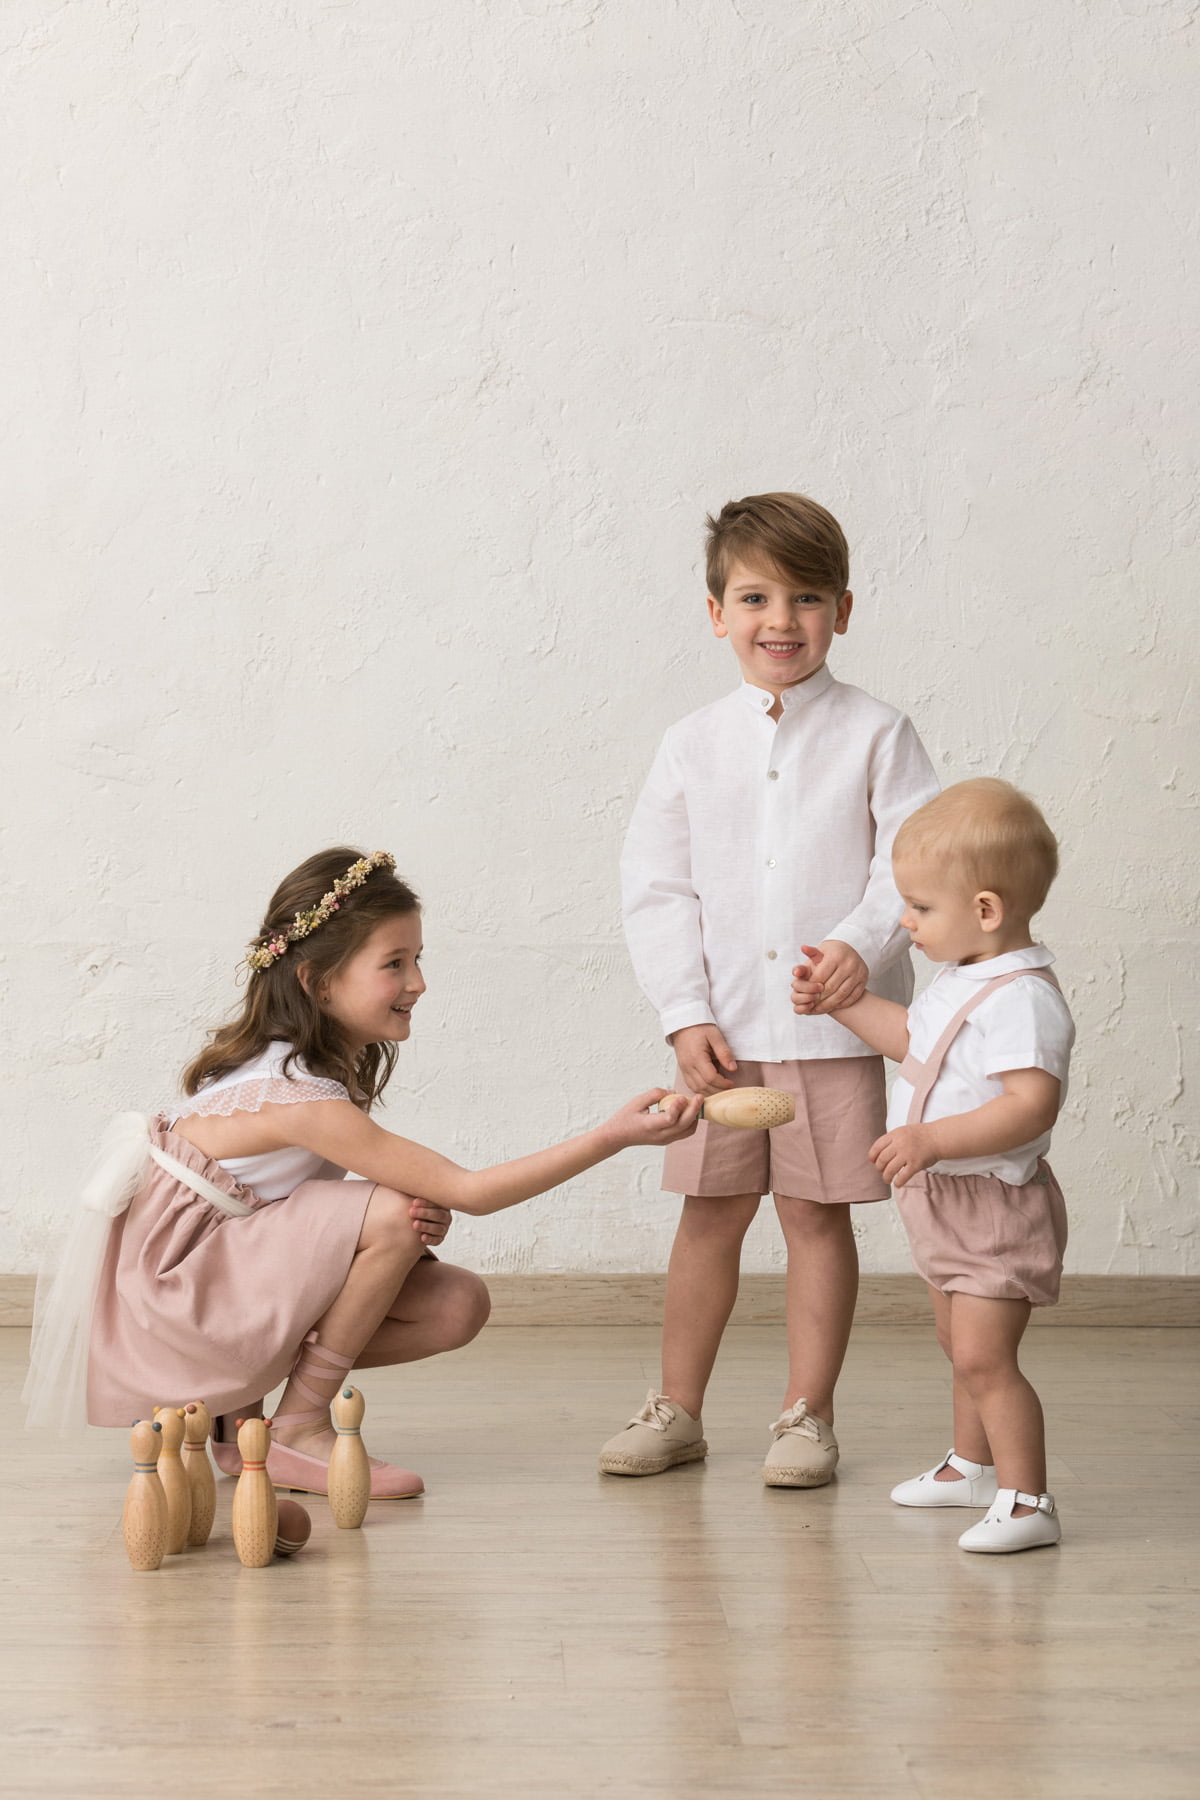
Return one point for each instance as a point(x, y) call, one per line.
point(256, 1084)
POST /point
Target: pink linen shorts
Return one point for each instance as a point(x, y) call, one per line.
point(976, 1234)
point(822, 1155)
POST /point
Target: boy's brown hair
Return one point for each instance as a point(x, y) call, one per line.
point(988, 837)
point(789, 531)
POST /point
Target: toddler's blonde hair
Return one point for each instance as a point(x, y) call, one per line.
point(986, 836)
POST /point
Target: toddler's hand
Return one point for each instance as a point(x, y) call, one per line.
point(903, 1153)
point(429, 1221)
point(843, 972)
point(636, 1124)
point(705, 1060)
point(807, 986)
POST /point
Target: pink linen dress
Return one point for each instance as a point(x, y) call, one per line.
point(197, 1303)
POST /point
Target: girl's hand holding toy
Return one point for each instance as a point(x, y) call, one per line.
point(656, 1117)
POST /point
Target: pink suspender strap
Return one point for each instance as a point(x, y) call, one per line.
point(922, 1075)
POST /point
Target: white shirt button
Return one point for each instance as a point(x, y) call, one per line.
point(774, 775)
point(770, 956)
point(770, 862)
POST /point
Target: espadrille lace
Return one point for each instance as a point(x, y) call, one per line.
point(658, 1413)
point(797, 1418)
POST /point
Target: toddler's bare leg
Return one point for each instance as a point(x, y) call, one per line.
point(822, 1288)
point(985, 1335)
point(702, 1284)
point(970, 1439)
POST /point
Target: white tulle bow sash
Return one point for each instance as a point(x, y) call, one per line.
point(55, 1391)
point(120, 1168)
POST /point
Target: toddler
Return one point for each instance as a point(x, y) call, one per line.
point(983, 1072)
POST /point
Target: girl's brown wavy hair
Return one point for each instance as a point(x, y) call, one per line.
point(279, 1006)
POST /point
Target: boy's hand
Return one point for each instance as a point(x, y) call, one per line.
point(635, 1123)
point(430, 1221)
point(705, 1060)
point(903, 1153)
point(835, 976)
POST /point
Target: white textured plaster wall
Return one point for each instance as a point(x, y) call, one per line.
point(369, 368)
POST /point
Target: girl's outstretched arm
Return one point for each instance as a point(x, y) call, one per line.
point(337, 1131)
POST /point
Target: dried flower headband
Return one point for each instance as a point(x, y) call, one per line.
point(261, 956)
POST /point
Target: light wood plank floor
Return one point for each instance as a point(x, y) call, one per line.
point(533, 1628)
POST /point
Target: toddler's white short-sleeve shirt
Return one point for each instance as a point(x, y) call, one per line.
point(1025, 1025)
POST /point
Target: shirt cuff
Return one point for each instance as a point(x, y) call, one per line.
point(679, 1017)
point(1008, 1062)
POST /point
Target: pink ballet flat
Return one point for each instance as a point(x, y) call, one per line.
point(228, 1457)
point(306, 1474)
point(309, 1475)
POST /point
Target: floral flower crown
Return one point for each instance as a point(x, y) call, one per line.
point(261, 956)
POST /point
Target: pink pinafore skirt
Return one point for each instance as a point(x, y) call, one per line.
point(195, 1304)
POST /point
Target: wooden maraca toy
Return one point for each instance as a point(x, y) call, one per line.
point(174, 1479)
point(749, 1108)
point(144, 1520)
point(255, 1513)
point(196, 1426)
point(349, 1464)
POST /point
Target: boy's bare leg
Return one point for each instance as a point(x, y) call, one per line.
point(702, 1284)
point(822, 1288)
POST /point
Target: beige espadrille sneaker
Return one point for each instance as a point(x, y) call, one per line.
point(656, 1438)
point(805, 1451)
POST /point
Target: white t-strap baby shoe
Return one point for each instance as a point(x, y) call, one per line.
point(998, 1532)
point(977, 1487)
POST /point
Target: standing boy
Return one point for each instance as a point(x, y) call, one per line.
point(766, 825)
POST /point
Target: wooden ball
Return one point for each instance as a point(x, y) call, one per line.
point(294, 1527)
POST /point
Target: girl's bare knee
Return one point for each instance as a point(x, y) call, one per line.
point(386, 1221)
point(469, 1305)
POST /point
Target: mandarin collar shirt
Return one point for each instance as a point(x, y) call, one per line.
point(752, 837)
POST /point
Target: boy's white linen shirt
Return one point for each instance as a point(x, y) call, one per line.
point(1026, 1025)
point(753, 837)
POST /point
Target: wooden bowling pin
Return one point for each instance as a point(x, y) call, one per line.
point(349, 1464)
point(201, 1482)
point(749, 1108)
point(255, 1515)
point(174, 1480)
point(144, 1520)
point(293, 1529)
